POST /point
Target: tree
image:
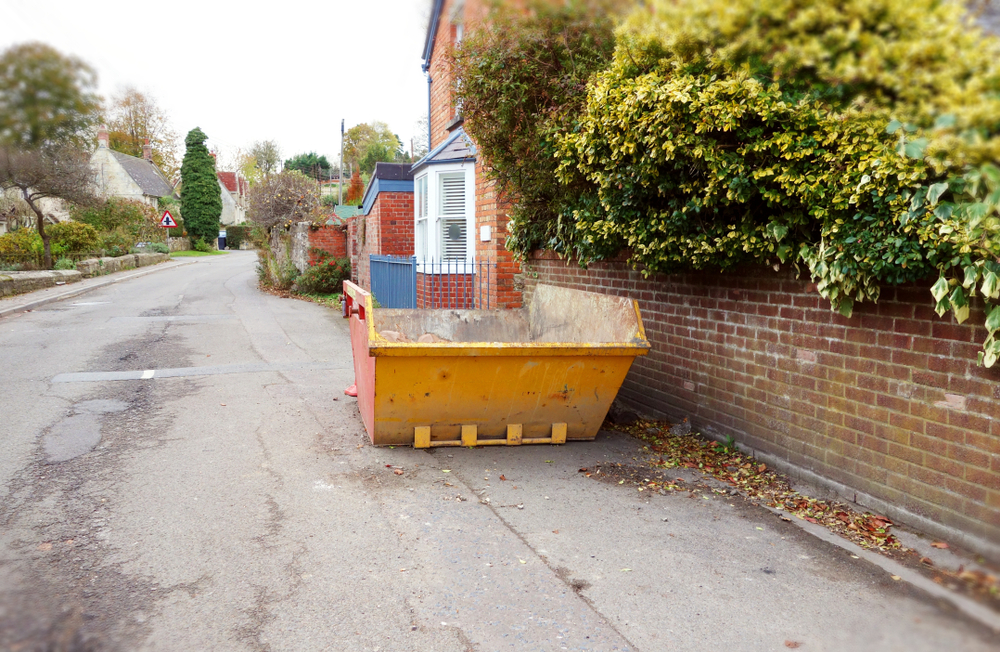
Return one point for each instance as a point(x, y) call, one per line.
point(365, 145)
point(522, 80)
point(267, 156)
point(288, 196)
point(201, 195)
point(134, 117)
point(311, 165)
point(420, 139)
point(355, 191)
point(58, 172)
point(46, 98)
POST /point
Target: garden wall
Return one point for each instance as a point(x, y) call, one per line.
point(887, 407)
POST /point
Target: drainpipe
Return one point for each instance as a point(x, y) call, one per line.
point(429, 111)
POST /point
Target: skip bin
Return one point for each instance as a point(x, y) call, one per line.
point(544, 374)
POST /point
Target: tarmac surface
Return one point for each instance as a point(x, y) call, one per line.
point(181, 470)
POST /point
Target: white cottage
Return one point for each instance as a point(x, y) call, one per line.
point(128, 177)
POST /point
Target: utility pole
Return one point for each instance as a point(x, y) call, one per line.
point(340, 177)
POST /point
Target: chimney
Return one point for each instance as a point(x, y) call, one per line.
point(147, 150)
point(102, 137)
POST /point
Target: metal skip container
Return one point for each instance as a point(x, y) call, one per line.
point(546, 374)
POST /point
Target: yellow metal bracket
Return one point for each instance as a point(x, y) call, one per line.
point(470, 437)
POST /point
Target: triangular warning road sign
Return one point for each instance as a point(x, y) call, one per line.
point(168, 221)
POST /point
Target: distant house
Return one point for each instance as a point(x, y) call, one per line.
point(234, 198)
point(128, 177)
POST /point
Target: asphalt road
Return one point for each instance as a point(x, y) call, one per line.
point(180, 470)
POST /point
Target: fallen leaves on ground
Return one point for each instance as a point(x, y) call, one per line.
point(761, 485)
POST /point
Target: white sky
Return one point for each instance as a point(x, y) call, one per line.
point(247, 71)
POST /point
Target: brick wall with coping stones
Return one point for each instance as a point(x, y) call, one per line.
point(889, 403)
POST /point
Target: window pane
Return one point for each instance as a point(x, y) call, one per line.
point(453, 195)
point(453, 232)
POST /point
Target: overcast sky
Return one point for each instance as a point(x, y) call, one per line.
point(286, 70)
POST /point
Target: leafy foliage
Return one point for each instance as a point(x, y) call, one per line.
point(51, 171)
point(134, 117)
point(73, 237)
point(287, 197)
point(313, 166)
point(20, 244)
point(367, 144)
point(729, 132)
point(325, 276)
point(201, 194)
point(522, 81)
point(265, 156)
point(236, 235)
point(64, 263)
point(46, 98)
point(132, 220)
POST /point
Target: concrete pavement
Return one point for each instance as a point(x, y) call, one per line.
point(229, 501)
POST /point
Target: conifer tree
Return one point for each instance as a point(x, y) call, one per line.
point(201, 196)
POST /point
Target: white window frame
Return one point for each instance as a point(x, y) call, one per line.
point(430, 181)
point(421, 211)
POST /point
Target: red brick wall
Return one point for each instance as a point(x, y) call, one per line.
point(388, 231)
point(492, 211)
point(889, 403)
point(446, 291)
point(332, 239)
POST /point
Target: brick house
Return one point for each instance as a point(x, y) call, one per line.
point(385, 224)
point(457, 216)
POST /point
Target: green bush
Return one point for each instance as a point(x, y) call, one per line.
point(73, 238)
point(20, 243)
point(130, 220)
point(325, 276)
point(197, 244)
point(236, 235)
point(159, 248)
point(116, 243)
point(273, 274)
point(65, 263)
point(837, 137)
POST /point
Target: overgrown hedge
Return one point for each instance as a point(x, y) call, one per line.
point(855, 140)
point(236, 235)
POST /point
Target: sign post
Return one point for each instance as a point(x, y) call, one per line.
point(168, 221)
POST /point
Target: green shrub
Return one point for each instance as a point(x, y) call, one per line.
point(65, 263)
point(159, 248)
point(197, 244)
point(116, 243)
point(132, 221)
point(21, 243)
point(273, 274)
point(236, 235)
point(73, 237)
point(325, 276)
point(837, 137)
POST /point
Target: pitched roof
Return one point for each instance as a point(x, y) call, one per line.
point(456, 148)
point(146, 175)
point(228, 179)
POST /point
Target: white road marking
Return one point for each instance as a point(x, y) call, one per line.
point(146, 375)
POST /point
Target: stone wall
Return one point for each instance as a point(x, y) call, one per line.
point(887, 407)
